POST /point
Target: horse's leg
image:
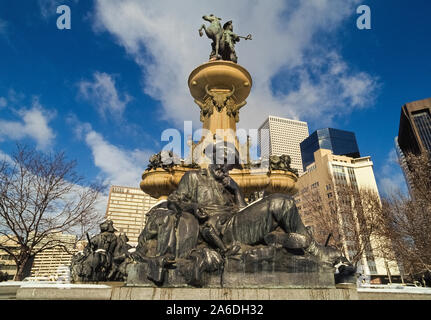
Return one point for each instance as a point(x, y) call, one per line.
point(212, 55)
point(204, 28)
point(217, 46)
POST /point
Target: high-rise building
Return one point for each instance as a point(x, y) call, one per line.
point(414, 135)
point(279, 136)
point(127, 208)
point(340, 142)
point(7, 263)
point(403, 163)
point(51, 262)
point(319, 188)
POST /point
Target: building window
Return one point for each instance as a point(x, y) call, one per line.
point(338, 169)
point(422, 121)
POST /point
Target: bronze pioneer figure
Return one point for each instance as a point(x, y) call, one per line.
point(206, 221)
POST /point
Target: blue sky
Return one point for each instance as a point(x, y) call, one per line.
point(105, 90)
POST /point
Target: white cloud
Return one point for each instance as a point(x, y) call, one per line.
point(34, 124)
point(5, 157)
point(117, 165)
point(391, 178)
point(3, 102)
point(163, 39)
point(104, 95)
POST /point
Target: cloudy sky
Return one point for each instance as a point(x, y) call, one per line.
point(105, 90)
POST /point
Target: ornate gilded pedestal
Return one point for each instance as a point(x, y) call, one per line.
point(220, 89)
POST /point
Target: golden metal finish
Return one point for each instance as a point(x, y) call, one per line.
point(220, 89)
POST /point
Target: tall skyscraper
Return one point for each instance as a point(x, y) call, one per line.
point(414, 135)
point(340, 142)
point(278, 136)
point(127, 208)
point(319, 191)
point(403, 163)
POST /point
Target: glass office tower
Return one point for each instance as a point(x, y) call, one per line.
point(340, 142)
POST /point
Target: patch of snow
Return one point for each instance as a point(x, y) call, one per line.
point(394, 289)
point(57, 285)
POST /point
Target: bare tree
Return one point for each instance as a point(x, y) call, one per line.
point(406, 220)
point(41, 196)
point(346, 220)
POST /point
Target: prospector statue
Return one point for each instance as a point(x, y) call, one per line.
point(206, 222)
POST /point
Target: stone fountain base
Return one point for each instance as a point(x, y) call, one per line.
point(119, 292)
point(281, 270)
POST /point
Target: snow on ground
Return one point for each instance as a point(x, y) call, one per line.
point(394, 289)
point(51, 284)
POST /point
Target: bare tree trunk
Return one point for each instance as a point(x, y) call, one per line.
point(23, 269)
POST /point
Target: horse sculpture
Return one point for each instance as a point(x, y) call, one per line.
point(214, 32)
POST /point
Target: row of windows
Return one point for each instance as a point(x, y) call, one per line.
point(312, 168)
point(352, 175)
point(423, 123)
point(293, 122)
point(338, 169)
point(9, 267)
point(372, 268)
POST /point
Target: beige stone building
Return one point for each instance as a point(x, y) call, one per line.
point(127, 208)
point(52, 262)
point(48, 263)
point(318, 192)
point(7, 264)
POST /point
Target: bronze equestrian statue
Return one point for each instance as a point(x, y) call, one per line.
point(224, 39)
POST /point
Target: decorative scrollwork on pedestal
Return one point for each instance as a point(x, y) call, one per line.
point(233, 109)
point(207, 108)
point(219, 100)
